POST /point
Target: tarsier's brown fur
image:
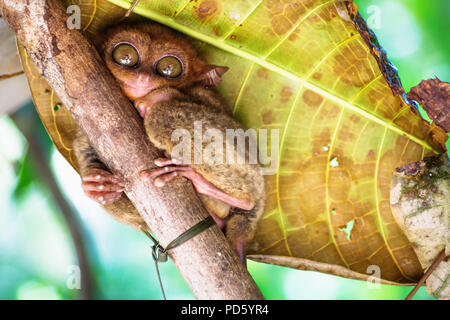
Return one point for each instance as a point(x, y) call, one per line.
point(167, 105)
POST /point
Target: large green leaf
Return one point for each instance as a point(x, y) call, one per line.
point(302, 67)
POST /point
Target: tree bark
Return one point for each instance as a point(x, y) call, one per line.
point(74, 69)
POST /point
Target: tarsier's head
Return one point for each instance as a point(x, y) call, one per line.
point(144, 57)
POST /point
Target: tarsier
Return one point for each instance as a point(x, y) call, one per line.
point(171, 87)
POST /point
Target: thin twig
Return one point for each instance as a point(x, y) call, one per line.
point(430, 270)
point(12, 75)
point(127, 14)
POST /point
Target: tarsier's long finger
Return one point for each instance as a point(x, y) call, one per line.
point(104, 197)
point(100, 176)
point(102, 186)
point(162, 162)
point(101, 179)
point(164, 179)
point(150, 174)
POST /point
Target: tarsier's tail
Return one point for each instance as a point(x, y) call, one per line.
point(241, 227)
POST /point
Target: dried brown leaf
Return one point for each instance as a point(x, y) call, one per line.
point(434, 96)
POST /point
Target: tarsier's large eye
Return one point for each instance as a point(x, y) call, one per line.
point(169, 67)
point(125, 55)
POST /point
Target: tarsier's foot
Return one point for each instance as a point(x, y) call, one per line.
point(171, 168)
point(238, 226)
point(102, 186)
point(240, 247)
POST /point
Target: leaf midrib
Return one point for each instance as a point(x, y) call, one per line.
point(221, 44)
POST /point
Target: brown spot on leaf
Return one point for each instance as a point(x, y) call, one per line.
point(354, 118)
point(262, 73)
point(268, 117)
point(280, 25)
point(208, 9)
point(311, 98)
point(374, 96)
point(351, 65)
point(284, 15)
point(285, 94)
point(327, 15)
point(217, 31)
point(346, 133)
point(275, 7)
point(294, 35)
point(294, 10)
point(317, 75)
point(322, 139)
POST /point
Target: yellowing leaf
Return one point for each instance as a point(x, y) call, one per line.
point(304, 68)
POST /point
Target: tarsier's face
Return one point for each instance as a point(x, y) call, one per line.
point(145, 57)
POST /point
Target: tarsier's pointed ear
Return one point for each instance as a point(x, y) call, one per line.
point(211, 75)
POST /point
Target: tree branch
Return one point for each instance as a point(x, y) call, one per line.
point(73, 68)
point(8, 76)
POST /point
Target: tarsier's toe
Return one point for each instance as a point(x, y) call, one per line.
point(142, 108)
point(99, 175)
point(102, 186)
point(162, 162)
point(104, 197)
point(163, 180)
point(240, 246)
point(168, 170)
point(160, 176)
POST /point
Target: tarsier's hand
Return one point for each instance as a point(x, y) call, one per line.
point(144, 104)
point(102, 186)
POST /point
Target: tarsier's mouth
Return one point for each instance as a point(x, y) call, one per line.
point(144, 87)
point(136, 89)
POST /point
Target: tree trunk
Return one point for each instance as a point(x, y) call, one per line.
point(74, 69)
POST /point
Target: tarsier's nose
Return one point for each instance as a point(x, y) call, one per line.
point(143, 79)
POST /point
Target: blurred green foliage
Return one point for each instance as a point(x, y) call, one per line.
point(36, 250)
point(415, 35)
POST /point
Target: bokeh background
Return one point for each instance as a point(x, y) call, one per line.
point(37, 248)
